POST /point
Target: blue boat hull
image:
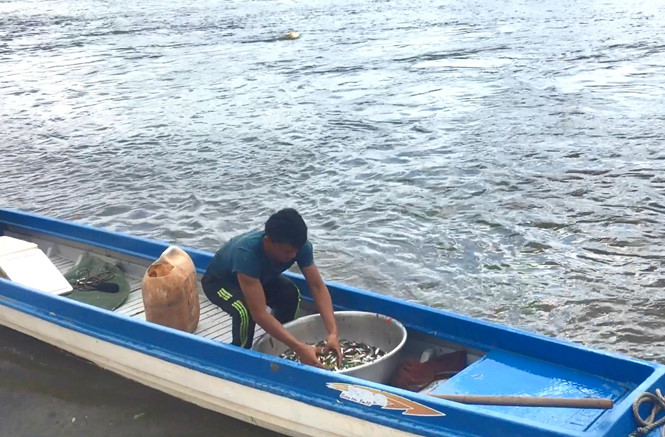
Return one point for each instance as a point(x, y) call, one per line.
point(513, 361)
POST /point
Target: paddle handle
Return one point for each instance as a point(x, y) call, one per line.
point(529, 401)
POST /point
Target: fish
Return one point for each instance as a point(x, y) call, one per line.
point(353, 354)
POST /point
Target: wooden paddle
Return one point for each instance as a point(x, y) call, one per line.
point(528, 401)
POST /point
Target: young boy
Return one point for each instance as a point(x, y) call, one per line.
point(245, 275)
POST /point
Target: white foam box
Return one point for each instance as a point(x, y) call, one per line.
point(24, 262)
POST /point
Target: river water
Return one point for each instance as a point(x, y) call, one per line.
point(500, 159)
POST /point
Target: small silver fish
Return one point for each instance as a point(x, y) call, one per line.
point(353, 354)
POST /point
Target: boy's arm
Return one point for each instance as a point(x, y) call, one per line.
point(323, 302)
point(256, 303)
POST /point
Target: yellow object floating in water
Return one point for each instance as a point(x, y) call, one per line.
point(292, 35)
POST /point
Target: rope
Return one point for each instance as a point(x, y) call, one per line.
point(648, 424)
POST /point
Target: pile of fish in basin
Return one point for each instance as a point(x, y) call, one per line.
point(370, 343)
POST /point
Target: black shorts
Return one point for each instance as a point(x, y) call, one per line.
point(282, 296)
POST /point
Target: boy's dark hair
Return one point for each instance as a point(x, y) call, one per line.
point(287, 226)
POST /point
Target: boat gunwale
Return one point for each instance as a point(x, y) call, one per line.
point(257, 370)
point(456, 328)
point(305, 376)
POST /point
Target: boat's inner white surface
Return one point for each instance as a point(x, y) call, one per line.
point(213, 322)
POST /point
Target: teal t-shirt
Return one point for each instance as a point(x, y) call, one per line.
point(244, 254)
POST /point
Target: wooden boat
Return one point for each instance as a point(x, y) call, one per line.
point(297, 400)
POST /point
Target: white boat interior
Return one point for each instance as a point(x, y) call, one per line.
point(214, 323)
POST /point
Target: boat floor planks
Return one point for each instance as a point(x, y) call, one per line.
point(214, 323)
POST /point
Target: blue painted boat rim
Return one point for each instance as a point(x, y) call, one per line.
point(472, 332)
point(140, 336)
point(152, 339)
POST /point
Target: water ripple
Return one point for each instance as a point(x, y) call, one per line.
point(502, 163)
